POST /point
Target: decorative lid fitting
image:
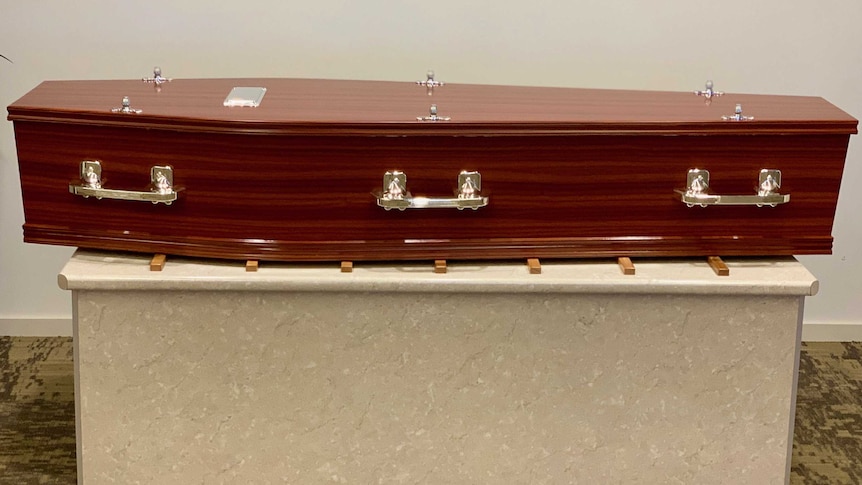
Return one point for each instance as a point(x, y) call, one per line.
point(737, 116)
point(157, 77)
point(433, 115)
point(709, 92)
point(126, 108)
point(430, 82)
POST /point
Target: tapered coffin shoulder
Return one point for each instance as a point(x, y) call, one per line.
point(372, 170)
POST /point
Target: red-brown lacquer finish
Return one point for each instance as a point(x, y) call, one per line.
point(569, 172)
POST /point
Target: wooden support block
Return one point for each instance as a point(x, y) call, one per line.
point(626, 266)
point(718, 266)
point(534, 265)
point(440, 266)
point(347, 266)
point(158, 262)
point(251, 266)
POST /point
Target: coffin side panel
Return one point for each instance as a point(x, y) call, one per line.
point(305, 197)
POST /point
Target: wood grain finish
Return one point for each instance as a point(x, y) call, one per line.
point(626, 266)
point(158, 262)
point(319, 106)
point(718, 266)
point(570, 173)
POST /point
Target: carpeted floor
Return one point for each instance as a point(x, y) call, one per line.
point(827, 439)
point(37, 413)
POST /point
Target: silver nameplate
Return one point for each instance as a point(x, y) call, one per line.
point(244, 97)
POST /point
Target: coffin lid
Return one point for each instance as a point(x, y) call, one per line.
point(316, 106)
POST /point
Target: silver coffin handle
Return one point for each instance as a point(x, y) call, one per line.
point(396, 196)
point(161, 188)
point(697, 191)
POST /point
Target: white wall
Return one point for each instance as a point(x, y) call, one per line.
point(764, 46)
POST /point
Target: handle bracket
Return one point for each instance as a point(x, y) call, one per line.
point(161, 189)
point(396, 196)
point(697, 191)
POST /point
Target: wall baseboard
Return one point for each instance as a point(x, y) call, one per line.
point(36, 327)
point(832, 332)
point(62, 327)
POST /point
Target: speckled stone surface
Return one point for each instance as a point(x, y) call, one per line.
point(37, 418)
point(91, 270)
point(375, 383)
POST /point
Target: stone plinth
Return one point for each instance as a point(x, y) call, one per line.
point(206, 373)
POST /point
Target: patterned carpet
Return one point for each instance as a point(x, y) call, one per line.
point(827, 440)
point(37, 413)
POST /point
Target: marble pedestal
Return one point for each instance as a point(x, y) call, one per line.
point(206, 374)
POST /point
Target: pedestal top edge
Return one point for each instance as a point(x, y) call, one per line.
point(97, 270)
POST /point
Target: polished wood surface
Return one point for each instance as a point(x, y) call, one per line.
point(293, 179)
point(317, 106)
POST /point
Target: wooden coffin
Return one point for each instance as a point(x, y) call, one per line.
point(317, 171)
